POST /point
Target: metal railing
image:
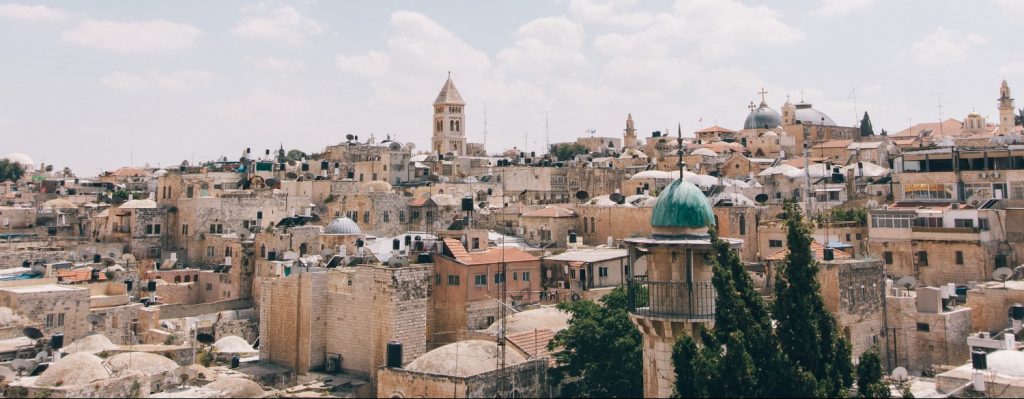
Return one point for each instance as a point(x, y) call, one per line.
point(671, 299)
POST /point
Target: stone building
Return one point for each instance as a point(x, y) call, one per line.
point(449, 135)
point(140, 224)
point(924, 332)
point(681, 297)
point(549, 226)
point(989, 302)
point(853, 290)
point(55, 308)
point(467, 286)
point(341, 319)
point(588, 273)
point(466, 369)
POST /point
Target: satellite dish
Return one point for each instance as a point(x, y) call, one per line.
point(907, 282)
point(1002, 274)
point(185, 374)
point(32, 332)
point(94, 319)
point(349, 137)
point(617, 198)
point(899, 374)
point(582, 195)
point(205, 338)
point(761, 198)
point(129, 258)
point(24, 365)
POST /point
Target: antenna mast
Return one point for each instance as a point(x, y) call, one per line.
point(856, 114)
point(938, 98)
point(485, 127)
point(547, 136)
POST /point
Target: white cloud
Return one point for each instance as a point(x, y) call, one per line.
point(833, 8)
point(715, 28)
point(545, 44)
point(609, 12)
point(285, 24)
point(944, 46)
point(32, 13)
point(132, 36)
point(372, 63)
point(259, 104)
point(1013, 69)
point(174, 81)
point(280, 65)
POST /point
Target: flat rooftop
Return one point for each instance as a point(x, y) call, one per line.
point(41, 288)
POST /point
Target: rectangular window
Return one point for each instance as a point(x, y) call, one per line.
point(156, 229)
point(476, 243)
point(923, 327)
point(386, 217)
point(888, 257)
point(983, 224)
point(480, 279)
point(366, 216)
point(922, 258)
point(775, 243)
point(515, 276)
point(499, 278)
point(928, 191)
point(926, 221)
point(184, 229)
point(60, 320)
point(959, 257)
point(963, 223)
point(209, 251)
point(1017, 189)
point(209, 286)
point(891, 221)
point(401, 216)
point(437, 279)
point(453, 279)
point(49, 321)
point(602, 272)
point(227, 251)
point(415, 215)
point(526, 276)
point(149, 229)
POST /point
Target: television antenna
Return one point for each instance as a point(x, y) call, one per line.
point(591, 131)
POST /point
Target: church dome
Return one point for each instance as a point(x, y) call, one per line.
point(682, 204)
point(21, 159)
point(806, 113)
point(343, 226)
point(763, 117)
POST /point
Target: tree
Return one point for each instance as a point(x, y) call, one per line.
point(602, 352)
point(865, 126)
point(295, 155)
point(808, 333)
point(10, 171)
point(567, 151)
point(1019, 118)
point(870, 382)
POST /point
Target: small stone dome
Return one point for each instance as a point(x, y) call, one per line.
point(149, 364)
point(58, 203)
point(234, 387)
point(463, 359)
point(703, 152)
point(343, 226)
point(377, 186)
point(682, 204)
point(233, 344)
point(763, 117)
point(806, 113)
point(75, 369)
point(547, 318)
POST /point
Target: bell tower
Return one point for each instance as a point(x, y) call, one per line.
point(449, 121)
point(1005, 109)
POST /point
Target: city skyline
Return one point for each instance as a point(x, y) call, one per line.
point(136, 83)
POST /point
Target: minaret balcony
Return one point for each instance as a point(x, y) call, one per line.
point(671, 300)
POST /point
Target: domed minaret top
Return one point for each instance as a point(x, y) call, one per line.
point(1006, 109)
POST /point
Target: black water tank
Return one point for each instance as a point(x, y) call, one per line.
point(408, 240)
point(272, 255)
point(572, 237)
point(467, 204)
point(128, 284)
point(151, 286)
point(1017, 311)
point(96, 258)
point(424, 258)
point(979, 360)
point(394, 354)
point(235, 360)
point(57, 341)
point(94, 275)
point(359, 243)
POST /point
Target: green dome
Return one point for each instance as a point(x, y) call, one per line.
point(682, 204)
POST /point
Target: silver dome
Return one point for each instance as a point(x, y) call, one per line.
point(763, 118)
point(342, 226)
point(806, 113)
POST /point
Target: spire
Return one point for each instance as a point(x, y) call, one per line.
point(449, 95)
point(679, 140)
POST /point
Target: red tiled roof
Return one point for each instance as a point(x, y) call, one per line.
point(418, 201)
point(819, 253)
point(834, 144)
point(492, 255)
point(715, 129)
point(799, 161)
point(534, 343)
point(81, 275)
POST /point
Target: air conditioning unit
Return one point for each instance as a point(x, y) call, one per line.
point(983, 175)
point(995, 175)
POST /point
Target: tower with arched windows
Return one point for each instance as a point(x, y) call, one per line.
point(449, 121)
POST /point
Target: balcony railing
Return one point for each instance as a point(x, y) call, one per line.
point(968, 230)
point(671, 299)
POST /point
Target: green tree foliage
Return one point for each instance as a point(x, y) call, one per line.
point(870, 380)
point(1019, 118)
point(295, 155)
point(865, 126)
point(808, 333)
point(859, 215)
point(10, 171)
point(567, 151)
point(602, 352)
point(741, 357)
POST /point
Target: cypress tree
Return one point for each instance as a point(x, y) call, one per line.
point(807, 332)
point(869, 377)
point(865, 126)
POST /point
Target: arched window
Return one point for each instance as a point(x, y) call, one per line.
point(302, 249)
point(439, 125)
point(188, 279)
point(593, 225)
point(177, 279)
point(457, 127)
point(451, 125)
point(743, 224)
point(263, 251)
point(584, 225)
point(195, 278)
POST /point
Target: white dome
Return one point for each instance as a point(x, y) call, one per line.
point(651, 174)
point(463, 359)
point(703, 151)
point(75, 369)
point(549, 318)
point(343, 226)
point(21, 159)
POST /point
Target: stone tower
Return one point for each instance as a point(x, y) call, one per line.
point(1005, 109)
point(676, 295)
point(788, 113)
point(629, 137)
point(449, 121)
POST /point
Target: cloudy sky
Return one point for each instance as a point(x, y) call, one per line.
point(96, 85)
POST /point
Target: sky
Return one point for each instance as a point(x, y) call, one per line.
point(96, 85)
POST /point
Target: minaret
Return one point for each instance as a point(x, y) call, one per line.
point(1005, 109)
point(629, 137)
point(449, 121)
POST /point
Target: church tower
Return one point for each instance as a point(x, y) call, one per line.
point(788, 113)
point(629, 137)
point(1005, 109)
point(449, 121)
